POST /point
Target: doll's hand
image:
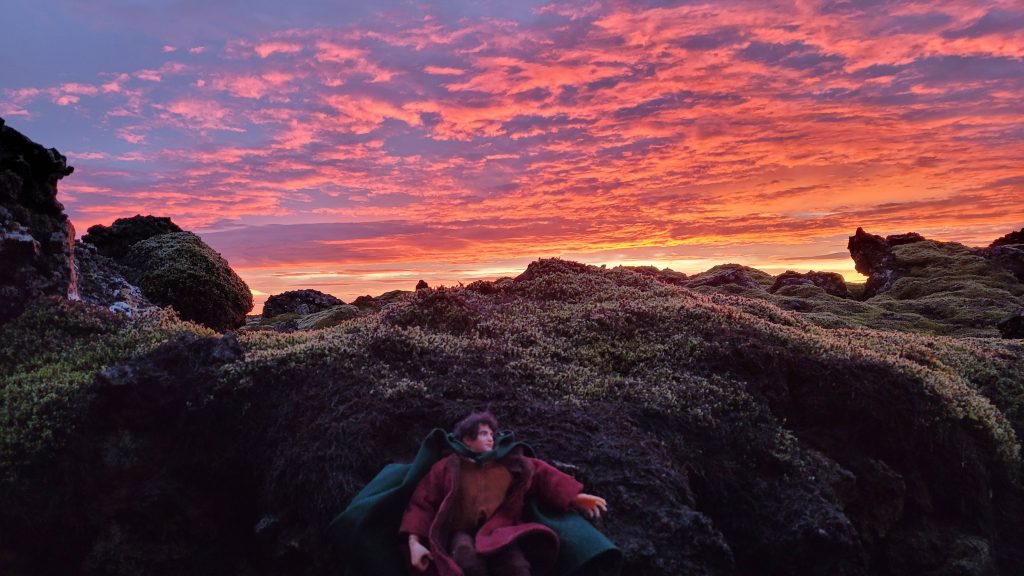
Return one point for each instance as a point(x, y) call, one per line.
point(418, 554)
point(590, 505)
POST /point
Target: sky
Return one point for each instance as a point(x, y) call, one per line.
point(356, 147)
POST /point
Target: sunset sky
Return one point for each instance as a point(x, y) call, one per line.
point(356, 147)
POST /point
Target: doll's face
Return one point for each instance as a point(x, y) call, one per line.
point(484, 440)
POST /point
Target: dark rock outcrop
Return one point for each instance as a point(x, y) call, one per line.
point(1010, 239)
point(1009, 257)
point(1012, 326)
point(300, 302)
point(831, 282)
point(36, 237)
point(115, 240)
point(182, 271)
point(872, 256)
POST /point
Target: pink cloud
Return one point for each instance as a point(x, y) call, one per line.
point(443, 71)
point(266, 49)
point(618, 126)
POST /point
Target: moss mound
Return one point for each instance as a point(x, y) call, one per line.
point(729, 435)
point(181, 271)
point(49, 356)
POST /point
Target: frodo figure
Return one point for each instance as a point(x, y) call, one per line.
point(466, 516)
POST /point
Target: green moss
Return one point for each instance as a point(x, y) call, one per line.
point(330, 317)
point(49, 356)
point(181, 271)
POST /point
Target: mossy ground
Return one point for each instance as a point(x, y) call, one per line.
point(762, 433)
point(945, 289)
point(50, 355)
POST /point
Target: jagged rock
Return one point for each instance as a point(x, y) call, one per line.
point(831, 282)
point(102, 281)
point(731, 274)
point(115, 240)
point(872, 256)
point(1009, 257)
point(1010, 239)
point(181, 271)
point(1012, 326)
point(300, 302)
point(36, 237)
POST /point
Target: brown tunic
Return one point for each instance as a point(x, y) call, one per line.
point(482, 489)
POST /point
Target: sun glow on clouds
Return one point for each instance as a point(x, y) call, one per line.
point(462, 143)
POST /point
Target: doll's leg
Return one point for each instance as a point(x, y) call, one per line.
point(509, 561)
point(464, 554)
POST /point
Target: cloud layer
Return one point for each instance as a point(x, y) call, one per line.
point(450, 141)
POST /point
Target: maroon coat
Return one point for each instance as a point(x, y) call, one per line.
point(432, 507)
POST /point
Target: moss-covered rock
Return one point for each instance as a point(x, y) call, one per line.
point(48, 358)
point(742, 277)
point(330, 317)
point(116, 240)
point(181, 271)
point(301, 302)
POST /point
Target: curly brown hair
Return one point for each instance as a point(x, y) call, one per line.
point(470, 425)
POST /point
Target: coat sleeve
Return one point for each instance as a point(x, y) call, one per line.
point(422, 508)
point(552, 486)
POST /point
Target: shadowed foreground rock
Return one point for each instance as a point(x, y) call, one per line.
point(729, 436)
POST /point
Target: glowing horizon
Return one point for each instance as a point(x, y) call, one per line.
point(357, 149)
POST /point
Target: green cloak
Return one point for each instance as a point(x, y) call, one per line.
point(366, 533)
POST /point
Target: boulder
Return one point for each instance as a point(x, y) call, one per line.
point(182, 271)
point(300, 302)
point(115, 240)
point(36, 237)
point(831, 282)
point(731, 274)
point(1012, 326)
